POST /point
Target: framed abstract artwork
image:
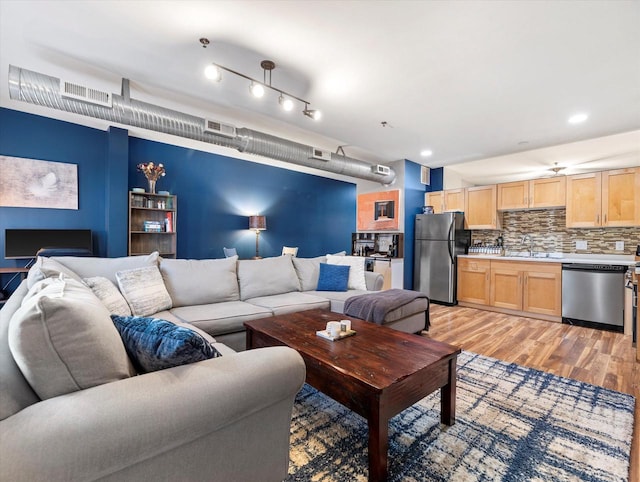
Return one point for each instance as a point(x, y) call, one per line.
point(30, 183)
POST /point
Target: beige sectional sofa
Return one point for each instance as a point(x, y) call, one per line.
point(72, 406)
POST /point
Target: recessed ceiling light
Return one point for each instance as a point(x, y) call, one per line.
point(426, 153)
point(578, 118)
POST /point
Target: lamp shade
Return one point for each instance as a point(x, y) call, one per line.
point(257, 223)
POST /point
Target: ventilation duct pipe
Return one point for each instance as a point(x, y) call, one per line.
point(44, 90)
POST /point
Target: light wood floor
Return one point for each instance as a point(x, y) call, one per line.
point(593, 356)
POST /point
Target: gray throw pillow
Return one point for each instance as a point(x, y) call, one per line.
point(308, 271)
point(144, 290)
point(108, 293)
point(63, 340)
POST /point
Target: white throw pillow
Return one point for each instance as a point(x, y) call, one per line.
point(108, 293)
point(144, 290)
point(356, 273)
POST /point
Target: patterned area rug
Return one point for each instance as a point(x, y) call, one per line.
point(512, 424)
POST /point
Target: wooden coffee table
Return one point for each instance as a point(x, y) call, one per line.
point(377, 373)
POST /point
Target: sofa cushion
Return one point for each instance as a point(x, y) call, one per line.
point(356, 273)
point(333, 277)
point(106, 267)
point(154, 344)
point(290, 302)
point(268, 276)
point(48, 268)
point(337, 298)
point(198, 282)
point(144, 290)
point(63, 340)
point(110, 296)
point(221, 318)
point(308, 271)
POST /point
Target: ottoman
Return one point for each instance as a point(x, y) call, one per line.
point(403, 310)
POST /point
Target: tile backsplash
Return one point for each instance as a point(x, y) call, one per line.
point(547, 229)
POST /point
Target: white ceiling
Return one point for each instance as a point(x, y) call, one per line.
point(470, 80)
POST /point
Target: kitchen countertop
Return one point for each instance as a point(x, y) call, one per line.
point(617, 259)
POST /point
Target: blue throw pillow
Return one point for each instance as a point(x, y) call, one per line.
point(333, 277)
point(154, 344)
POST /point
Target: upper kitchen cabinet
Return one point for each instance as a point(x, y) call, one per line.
point(435, 199)
point(604, 199)
point(481, 208)
point(537, 193)
point(621, 197)
point(454, 199)
point(448, 200)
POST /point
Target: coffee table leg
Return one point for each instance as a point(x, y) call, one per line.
point(378, 446)
point(448, 396)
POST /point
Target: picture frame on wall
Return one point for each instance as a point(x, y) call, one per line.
point(32, 183)
point(378, 211)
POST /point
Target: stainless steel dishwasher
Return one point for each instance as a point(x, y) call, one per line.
point(593, 295)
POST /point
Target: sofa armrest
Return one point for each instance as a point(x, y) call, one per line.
point(373, 280)
point(108, 429)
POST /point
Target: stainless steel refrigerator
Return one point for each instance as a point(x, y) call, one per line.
point(439, 239)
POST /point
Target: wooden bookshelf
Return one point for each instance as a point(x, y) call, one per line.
point(152, 224)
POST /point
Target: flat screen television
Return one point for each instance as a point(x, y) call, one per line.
point(25, 243)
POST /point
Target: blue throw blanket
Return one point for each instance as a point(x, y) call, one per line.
point(375, 306)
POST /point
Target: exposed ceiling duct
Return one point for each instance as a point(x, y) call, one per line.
point(44, 90)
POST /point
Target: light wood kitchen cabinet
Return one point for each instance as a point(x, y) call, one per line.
point(542, 289)
point(506, 285)
point(604, 199)
point(481, 208)
point(454, 199)
point(435, 199)
point(621, 197)
point(548, 192)
point(447, 200)
point(473, 280)
point(533, 287)
point(536, 193)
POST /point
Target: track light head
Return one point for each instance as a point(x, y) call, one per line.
point(256, 89)
point(312, 113)
point(286, 103)
point(213, 73)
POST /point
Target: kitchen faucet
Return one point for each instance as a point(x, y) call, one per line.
point(524, 239)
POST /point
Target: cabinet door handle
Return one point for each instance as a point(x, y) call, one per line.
point(597, 219)
point(605, 219)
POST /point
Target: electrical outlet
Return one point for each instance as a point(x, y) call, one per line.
point(581, 245)
point(619, 245)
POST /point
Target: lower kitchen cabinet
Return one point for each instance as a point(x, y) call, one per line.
point(473, 280)
point(529, 288)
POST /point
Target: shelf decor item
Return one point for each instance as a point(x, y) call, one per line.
point(152, 172)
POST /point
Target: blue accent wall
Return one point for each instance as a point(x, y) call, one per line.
point(36, 137)
point(215, 193)
point(413, 201)
point(437, 180)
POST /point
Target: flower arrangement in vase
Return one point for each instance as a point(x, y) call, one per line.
point(152, 172)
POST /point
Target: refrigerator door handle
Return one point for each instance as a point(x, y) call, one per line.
point(450, 237)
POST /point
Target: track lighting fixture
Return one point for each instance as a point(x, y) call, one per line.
point(258, 88)
point(286, 103)
point(212, 72)
point(312, 113)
